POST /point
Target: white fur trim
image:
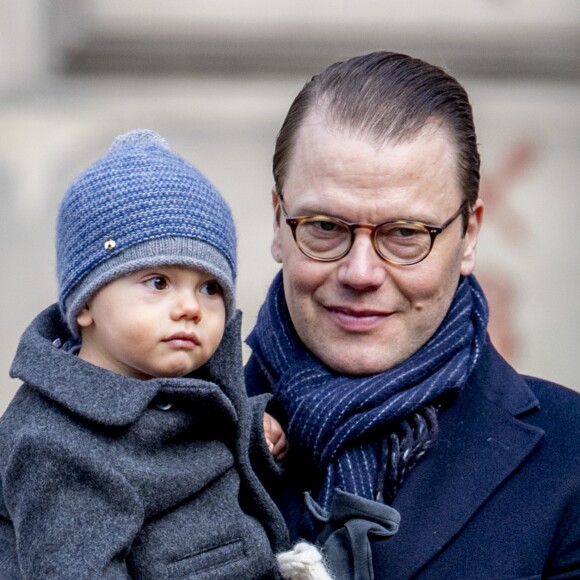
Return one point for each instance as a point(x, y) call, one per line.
point(302, 562)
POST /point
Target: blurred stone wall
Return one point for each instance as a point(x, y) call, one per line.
point(216, 80)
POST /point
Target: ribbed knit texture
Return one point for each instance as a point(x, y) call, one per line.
point(140, 192)
point(338, 423)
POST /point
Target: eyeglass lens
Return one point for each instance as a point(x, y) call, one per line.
point(327, 239)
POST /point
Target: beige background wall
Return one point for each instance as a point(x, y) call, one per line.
point(216, 80)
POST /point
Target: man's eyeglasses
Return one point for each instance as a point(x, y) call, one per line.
point(400, 242)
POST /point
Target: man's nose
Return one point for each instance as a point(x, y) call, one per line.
point(362, 267)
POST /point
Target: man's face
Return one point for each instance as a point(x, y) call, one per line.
point(360, 315)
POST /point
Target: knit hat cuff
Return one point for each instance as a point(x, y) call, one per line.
point(170, 251)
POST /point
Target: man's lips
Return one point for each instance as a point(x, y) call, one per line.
point(182, 340)
point(356, 319)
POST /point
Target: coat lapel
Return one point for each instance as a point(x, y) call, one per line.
point(481, 442)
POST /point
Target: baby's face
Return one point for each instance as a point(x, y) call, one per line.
point(157, 322)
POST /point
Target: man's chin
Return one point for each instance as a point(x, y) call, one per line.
point(356, 361)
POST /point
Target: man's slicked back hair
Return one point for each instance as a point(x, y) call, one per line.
point(386, 97)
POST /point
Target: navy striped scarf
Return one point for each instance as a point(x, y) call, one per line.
point(337, 422)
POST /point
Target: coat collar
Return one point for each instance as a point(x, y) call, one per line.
point(86, 390)
point(481, 442)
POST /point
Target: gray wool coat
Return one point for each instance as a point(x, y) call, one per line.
point(104, 476)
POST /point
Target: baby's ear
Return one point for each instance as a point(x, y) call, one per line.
point(84, 317)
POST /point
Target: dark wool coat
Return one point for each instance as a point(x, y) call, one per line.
point(497, 497)
point(103, 476)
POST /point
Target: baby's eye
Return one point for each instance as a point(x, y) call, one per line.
point(212, 288)
point(157, 283)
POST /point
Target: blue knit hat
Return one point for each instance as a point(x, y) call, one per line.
point(140, 206)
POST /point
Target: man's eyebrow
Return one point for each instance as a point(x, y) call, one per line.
point(308, 211)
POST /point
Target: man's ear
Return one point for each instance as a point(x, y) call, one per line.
point(276, 246)
point(470, 238)
point(84, 317)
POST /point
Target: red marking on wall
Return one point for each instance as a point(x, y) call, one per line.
point(497, 186)
point(502, 287)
